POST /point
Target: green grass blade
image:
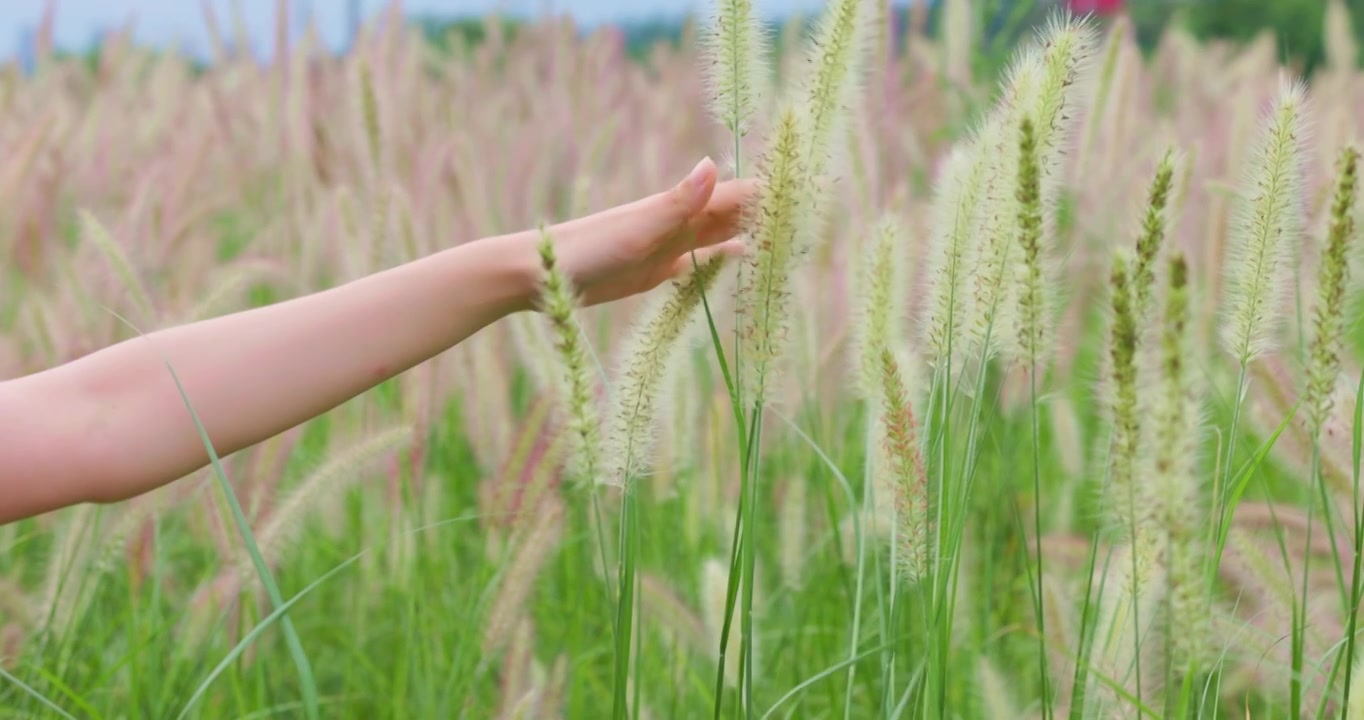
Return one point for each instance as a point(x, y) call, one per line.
point(1352, 624)
point(1241, 481)
point(305, 671)
point(54, 707)
point(250, 637)
point(826, 672)
point(625, 605)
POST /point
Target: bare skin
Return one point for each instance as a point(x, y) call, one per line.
point(112, 425)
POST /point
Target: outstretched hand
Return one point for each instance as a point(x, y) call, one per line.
point(635, 247)
point(113, 424)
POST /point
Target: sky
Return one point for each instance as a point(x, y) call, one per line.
point(180, 23)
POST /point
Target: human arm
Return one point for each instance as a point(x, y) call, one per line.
point(113, 425)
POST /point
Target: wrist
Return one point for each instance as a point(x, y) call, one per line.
point(517, 270)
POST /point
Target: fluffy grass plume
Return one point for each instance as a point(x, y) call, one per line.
point(1121, 400)
point(93, 232)
point(559, 303)
point(1333, 277)
point(956, 195)
point(1266, 229)
point(238, 171)
point(647, 358)
point(1045, 83)
point(1067, 51)
point(994, 229)
point(1172, 492)
point(878, 324)
point(286, 521)
point(737, 64)
point(517, 581)
point(1151, 240)
point(902, 459)
point(369, 113)
point(1036, 276)
point(836, 60)
point(780, 235)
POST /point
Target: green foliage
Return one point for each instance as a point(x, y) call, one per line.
point(1297, 25)
point(445, 34)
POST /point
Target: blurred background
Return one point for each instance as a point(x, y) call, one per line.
point(77, 25)
point(229, 189)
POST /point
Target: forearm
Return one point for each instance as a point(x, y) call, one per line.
point(249, 376)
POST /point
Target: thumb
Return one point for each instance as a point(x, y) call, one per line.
point(688, 197)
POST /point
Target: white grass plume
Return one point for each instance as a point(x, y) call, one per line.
point(1035, 276)
point(647, 360)
point(878, 324)
point(328, 481)
point(517, 580)
point(959, 38)
point(901, 461)
point(780, 235)
point(1051, 117)
point(1120, 400)
point(736, 49)
point(67, 584)
point(231, 283)
point(1171, 506)
point(995, 694)
point(95, 233)
point(988, 316)
point(1132, 590)
point(836, 61)
point(956, 196)
point(1067, 49)
point(1266, 229)
point(559, 303)
point(1327, 334)
point(1151, 240)
point(535, 349)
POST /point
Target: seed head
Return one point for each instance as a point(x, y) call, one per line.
point(737, 62)
point(951, 245)
point(559, 304)
point(903, 459)
point(1328, 318)
point(1122, 400)
point(1152, 237)
point(878, 324)
point(648, 358)
point(1171, 510)
point(836, 58)
point(1267, 228)
point(1035, 279)
point(780, 235)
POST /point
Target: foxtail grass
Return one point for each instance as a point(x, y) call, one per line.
point(1264, 237)
point(1324, 348)
point(559, 302)
point(1036, 285)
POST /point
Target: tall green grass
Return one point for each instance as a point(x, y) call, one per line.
point(957, 437)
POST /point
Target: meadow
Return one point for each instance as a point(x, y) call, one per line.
point(1036, 396)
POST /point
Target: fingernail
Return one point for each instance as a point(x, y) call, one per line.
point(696, 181)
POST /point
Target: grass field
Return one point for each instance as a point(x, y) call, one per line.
point(1038, 395)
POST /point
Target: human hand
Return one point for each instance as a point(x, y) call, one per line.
point(633, 248)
